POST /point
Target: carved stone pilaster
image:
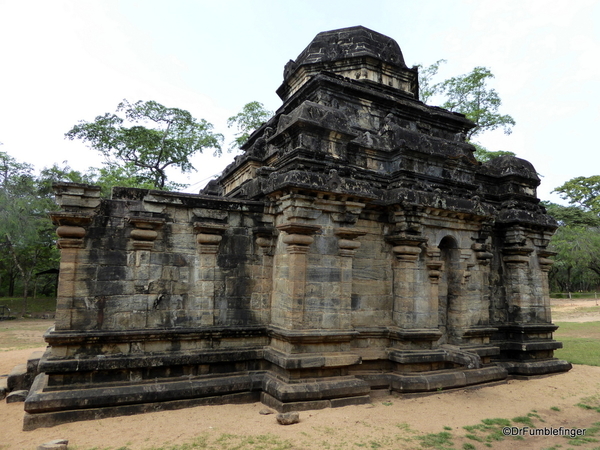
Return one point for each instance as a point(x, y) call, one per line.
point(71, 228)
point(290, 297)
point(516, 255)
point(209, 236)
point(465, 256)
point(516, 252)
point(408, 220)
point(434, 264)
point(544, 261)
point(346, 241)
point(298, 236)
point(265, 239)
point(482, 253)
point(144, 233)
point(349, 214)
point(406, 247)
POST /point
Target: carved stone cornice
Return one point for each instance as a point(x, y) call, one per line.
point(544, 261)
point(209, 235)
point(406, 247)
point(434, 264)
point(144, 233)
point(71, 228)
point(516, 255)
point(482, 253)
point(265, 238)
point(298, 236)
point(346, 243)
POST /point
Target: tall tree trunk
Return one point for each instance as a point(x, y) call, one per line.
point(11, 284)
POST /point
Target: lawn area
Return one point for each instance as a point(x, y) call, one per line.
point(581, 342)
point(35, 307)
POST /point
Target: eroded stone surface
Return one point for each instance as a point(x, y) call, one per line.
point(17, 396)
point(56, 444)
point(288, 418)
point(355, 245)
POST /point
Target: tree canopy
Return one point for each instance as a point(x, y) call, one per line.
point(142, 140)
point(582, 191)
point(252, 116)
point(26, 233)
point(468, 94)
point(577, 246)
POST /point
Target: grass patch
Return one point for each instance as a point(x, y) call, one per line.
point(573, 295)
point(436, 440)
point(582, 440)
point(525, 420)
point(579, 351)
point(590, 403)
point(22, 334)
point(578, 330)
point(490, 430)
point(34, 306)
point(227, 442)
point(581, 342)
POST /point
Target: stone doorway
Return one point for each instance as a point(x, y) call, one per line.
point(449, 291)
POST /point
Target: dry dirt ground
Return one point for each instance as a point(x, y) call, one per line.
point(390, 422)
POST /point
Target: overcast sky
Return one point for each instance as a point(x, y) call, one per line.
point(64, 61)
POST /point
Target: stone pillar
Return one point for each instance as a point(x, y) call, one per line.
point(410, 310)
point(347, 246)
point(78, 203)
point(291, 280)
point(208, 237)
point(545, 266)
point(71, 232)
point(435, 266)
point(518, 290)
point(465, 309)
point(261, 298)
point(480, 331)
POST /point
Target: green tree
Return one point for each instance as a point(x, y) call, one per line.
point(144, 139)
point(577, 244)
point(572, 215)
point(469, 94)
point(484, 155)
point(428, 89)
point(252, 116)
point(55, 173)
point(577, 260)
point(26, 233)
point(583, 192)
point(125, 175)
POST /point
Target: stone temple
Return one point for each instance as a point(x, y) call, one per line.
point(355, 247)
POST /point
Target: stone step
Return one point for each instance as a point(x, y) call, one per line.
point(3, 388)
point(17, 396)
point(17, 378)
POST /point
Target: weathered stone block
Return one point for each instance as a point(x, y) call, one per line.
point(17, 396)
point(56, 444)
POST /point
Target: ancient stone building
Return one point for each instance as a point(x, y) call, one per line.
point(355, 246)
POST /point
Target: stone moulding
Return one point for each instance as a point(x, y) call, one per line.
point(356, 245)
